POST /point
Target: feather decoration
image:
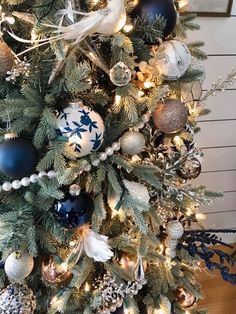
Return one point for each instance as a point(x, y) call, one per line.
point(95, 245)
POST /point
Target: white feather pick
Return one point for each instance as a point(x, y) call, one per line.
point(107, 21)
point(96, 245)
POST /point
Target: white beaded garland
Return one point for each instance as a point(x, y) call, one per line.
point(16, 184)
point(96, 162)
point(52, 174)
point(116, 146)
point(103, 156)
point(42, 174)
point(109, 151)
point(34, 178)
point(7, 186)
point(25, 181)
point(175, 229)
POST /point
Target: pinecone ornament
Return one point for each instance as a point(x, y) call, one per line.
point(6, 59)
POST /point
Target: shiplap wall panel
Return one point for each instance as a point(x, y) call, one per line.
point(218, 159)
point(218, 66)
point(223, 106)
point(223, 204)
point(221, 220)
point(209, 33)
point(218, 181)
point(234, 8)
point(216, 133)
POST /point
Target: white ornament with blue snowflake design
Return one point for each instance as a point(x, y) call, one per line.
point(83, 127)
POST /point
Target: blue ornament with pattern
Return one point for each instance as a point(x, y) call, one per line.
point(82, 127)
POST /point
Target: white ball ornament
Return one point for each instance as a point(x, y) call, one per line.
point(83, 127)
point(25, 181)
point(132, 143)
point(19, 266)
point(172, 59)
point(16, 184)
point(175, 229)
point(137, 191)
point(7, 186)
point(34, 178)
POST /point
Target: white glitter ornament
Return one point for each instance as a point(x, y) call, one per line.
point(132, 143)
point(137, 191)
point(83, 127)
point(165, 307)
point(19, 266)
point(175, 229)
point(172, 59)
point(120, 74)
point(17, 299)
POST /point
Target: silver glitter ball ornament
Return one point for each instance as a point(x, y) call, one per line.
point(132, 143)
point(120, 74)
point(19, 266)
point(17, 299)
point(172, 59)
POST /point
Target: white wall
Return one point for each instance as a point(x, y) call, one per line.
point(218, 135)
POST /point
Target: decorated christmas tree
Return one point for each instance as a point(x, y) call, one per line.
point(99, 106)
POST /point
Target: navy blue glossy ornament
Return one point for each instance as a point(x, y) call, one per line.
point(73, 211)
point(151, 9)
point(18, 158)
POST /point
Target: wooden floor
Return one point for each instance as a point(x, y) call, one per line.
point(220, 296)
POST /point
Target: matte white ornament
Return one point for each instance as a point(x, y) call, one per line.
point(175, 229)
point(137, 191)
point(83, 127)
point(16, 184)
point(19, 266)
point(7, 186)
point(132, 143)
point(34, 178)
point(25, 181)
point(172, 59)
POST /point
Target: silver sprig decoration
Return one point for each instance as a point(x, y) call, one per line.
point(219, 86)
point(21, 68)
point(112, 294)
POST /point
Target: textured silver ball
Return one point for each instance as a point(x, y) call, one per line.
point(17, 299)
point(172, 59)
point(132, 143)
point(120, 74)
point(18, 267)
point(175, 229)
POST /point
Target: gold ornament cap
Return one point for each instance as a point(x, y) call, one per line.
point(10, 135)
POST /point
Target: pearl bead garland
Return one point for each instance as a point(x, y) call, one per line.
point(109, 151)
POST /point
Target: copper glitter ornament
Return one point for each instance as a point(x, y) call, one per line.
point(191, 169)
point(6, 59)
point(52, 273)
point(185, 299)
point(170, 116)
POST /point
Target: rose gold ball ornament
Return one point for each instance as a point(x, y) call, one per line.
point(185, 299)
point(52, 273)
point(6, 59)
point(170, 116)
